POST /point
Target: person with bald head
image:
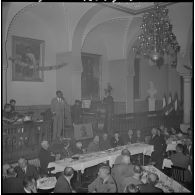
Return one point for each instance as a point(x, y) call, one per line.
point(121, 170)
point(24, 169)
point(45, 157)
point(63, 184)
point(152, 180)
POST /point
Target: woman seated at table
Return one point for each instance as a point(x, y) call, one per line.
point(181, 160)
point(116, 140)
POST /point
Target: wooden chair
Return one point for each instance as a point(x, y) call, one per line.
point(177, 173)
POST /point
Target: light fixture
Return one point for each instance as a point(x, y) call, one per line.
point(157, 39)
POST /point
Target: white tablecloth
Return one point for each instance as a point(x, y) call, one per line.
point(166, 182)
point(46, 183)
point(92, 159)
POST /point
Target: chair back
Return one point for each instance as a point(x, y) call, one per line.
point(177, 173)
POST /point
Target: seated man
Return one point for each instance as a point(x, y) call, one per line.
point(149, 187)
point(45, 157)
point(135, 179)
point(132, 188)
point(116, 140)
point(181, 160)
point(8, 116)
point(25, 170)
point(105, 142)
point(94, 145)
point(78, 148)
point(124, 152)
point(29, 185)
point(138, 137)
point(12, 184)
point(104, 183)
point(63, 184)
point(122, 170)
point(129, 138)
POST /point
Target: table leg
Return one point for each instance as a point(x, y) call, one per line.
point(79, 177)
point(143, 159)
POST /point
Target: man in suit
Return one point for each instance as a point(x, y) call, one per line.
point(29, 185)
point(58, 106)
point(45, 157)
point(104, 142)
point(104, 183)
point(12, 184)
point(129, 138)
point(63, 184)
point(24, 169)
point(181, 160)
point(149, 187)
point(159, 148)
point(122, 170)
point(116, 140)
point(94, 145)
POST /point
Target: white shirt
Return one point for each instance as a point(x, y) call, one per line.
point(28, 192)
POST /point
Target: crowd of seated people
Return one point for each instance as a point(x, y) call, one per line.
point(124, 176)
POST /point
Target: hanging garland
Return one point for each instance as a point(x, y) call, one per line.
point(46, 68)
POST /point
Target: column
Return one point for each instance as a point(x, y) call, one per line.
point(187, 102)
point(129, 95)
point(187, 98)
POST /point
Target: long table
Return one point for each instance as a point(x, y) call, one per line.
point(166, 183)
point(92, 159)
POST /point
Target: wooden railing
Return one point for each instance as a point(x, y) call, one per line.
point(23, 140)
point(145, 121)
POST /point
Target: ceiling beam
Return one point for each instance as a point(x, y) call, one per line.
point(132, 11)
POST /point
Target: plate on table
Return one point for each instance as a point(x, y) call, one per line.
point(46, 183)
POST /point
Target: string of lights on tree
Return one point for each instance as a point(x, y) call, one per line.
point(157, 39)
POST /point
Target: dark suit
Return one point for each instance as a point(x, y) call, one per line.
point(159, 148)
point(45, 157)
point(31, 171)
point(105, 145)
point(121, 171)
point(98, 186)
point(114, 143)
point(13, 185)
point(62, 185)
point(146, 188)
point(129, 139)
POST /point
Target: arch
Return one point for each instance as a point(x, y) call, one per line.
point(78, 34)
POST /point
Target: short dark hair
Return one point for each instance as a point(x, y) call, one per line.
point(12, 100)
point(27, 180)
point(180, 147)
point(68, 171)
point(107, 168)
point(132, 188)
point(125, 152)
point(58, 91)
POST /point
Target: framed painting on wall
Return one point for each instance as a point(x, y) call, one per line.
point(27, 59)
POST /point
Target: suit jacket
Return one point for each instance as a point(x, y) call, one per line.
point(119, 172)
point(57, 107)
point(45, 157)
point(62, 185)
point(13, 185)
point(105, 145)
point(146, 188)
point(114, 143)
point(92, 147)
point(31, 171)
point(159, 143)
point(98, 185)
